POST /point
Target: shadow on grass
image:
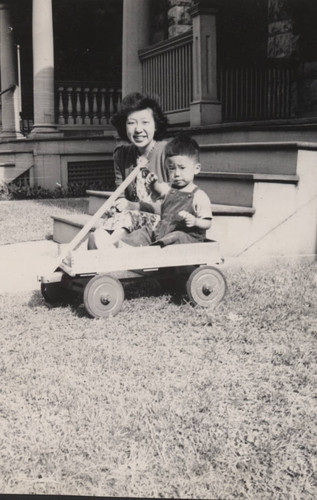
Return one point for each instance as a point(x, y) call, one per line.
point(132, 291)
point(36, 300)
point(153, 288)
point(74, 302)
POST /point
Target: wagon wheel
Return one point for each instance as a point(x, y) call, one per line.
point(54, 293)
point(103, 296)
point(206, 286)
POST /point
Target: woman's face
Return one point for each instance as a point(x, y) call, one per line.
point(141, 128)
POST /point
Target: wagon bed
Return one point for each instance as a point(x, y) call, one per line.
point(146, 258)
point(99, 275)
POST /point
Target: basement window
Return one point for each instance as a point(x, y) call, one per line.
point(99, 173)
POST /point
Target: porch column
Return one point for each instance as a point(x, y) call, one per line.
point(43, 68)
point(135, 36)
point(9, 77)
point(205, 108)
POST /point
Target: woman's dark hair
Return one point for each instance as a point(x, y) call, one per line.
point(182, 145)
point(136, 102)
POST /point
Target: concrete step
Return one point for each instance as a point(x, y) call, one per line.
point(96, 199)
point(255, 158)
point(11, 152)
point(13, 164)
point(279, 223)
point(223, 188)
point(66, 227)
point(237, 189)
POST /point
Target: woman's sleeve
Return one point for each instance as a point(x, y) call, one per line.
point(164, 166)
point(158, 163)
point(118, 169)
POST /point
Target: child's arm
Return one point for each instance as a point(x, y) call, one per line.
point(160, 188)
point(124, 204)
point(203, 214)
point(193, 221)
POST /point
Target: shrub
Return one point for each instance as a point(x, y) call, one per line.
point(4, 191)
point(21, 190)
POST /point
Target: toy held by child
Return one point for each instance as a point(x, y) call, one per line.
point(185, 211)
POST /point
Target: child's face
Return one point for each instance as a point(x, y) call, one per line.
point(141, 128)
point(182, 170)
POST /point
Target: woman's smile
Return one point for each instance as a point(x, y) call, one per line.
point(141, 128)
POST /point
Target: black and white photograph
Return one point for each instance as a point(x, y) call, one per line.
point(158, 249)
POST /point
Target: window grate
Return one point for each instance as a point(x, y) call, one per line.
point(92, 172)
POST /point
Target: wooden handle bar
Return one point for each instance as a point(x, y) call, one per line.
point(101, 210)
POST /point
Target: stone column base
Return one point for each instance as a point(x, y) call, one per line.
point(45, 131)
point(205, 113)
point(11, 135)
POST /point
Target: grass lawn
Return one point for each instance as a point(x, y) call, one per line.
point(30, 220)
point(164, 400)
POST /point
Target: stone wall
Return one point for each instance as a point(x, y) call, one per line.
point(169, 18)
point(179, 19)
point(292, 37)
point(282, 40)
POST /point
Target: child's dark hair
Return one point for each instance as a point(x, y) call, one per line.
point(182, 145)
point(137, 102)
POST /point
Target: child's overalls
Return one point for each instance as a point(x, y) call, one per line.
point(171, 228)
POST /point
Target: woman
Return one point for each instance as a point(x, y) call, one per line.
point(140, 122)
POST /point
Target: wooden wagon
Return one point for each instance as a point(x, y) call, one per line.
point(99, 275)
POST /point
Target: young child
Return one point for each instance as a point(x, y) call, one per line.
point(185, 210)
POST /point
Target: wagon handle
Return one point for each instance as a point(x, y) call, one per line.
point(141, 163)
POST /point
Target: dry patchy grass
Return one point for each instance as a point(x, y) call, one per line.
point(30, 220)
point(164, 400)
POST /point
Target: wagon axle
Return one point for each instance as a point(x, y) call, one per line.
point(207, 290)
point(105, 299)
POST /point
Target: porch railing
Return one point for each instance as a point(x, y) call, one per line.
point(78, 103)
point(256, 93)
point(85, 103)
point(167, 72)
point(246, 93)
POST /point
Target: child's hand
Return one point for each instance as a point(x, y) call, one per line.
point(111, 212)
point(189, 219)
point(150, 178)
point(121, 204)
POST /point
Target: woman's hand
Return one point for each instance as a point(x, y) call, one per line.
point(121, 204)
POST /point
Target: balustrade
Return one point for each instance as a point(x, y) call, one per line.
point(167, 72)
point(258, 93)
point(81, 103)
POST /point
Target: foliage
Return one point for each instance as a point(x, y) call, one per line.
point(21, 190)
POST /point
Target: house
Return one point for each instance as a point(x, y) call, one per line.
point(240, 75)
